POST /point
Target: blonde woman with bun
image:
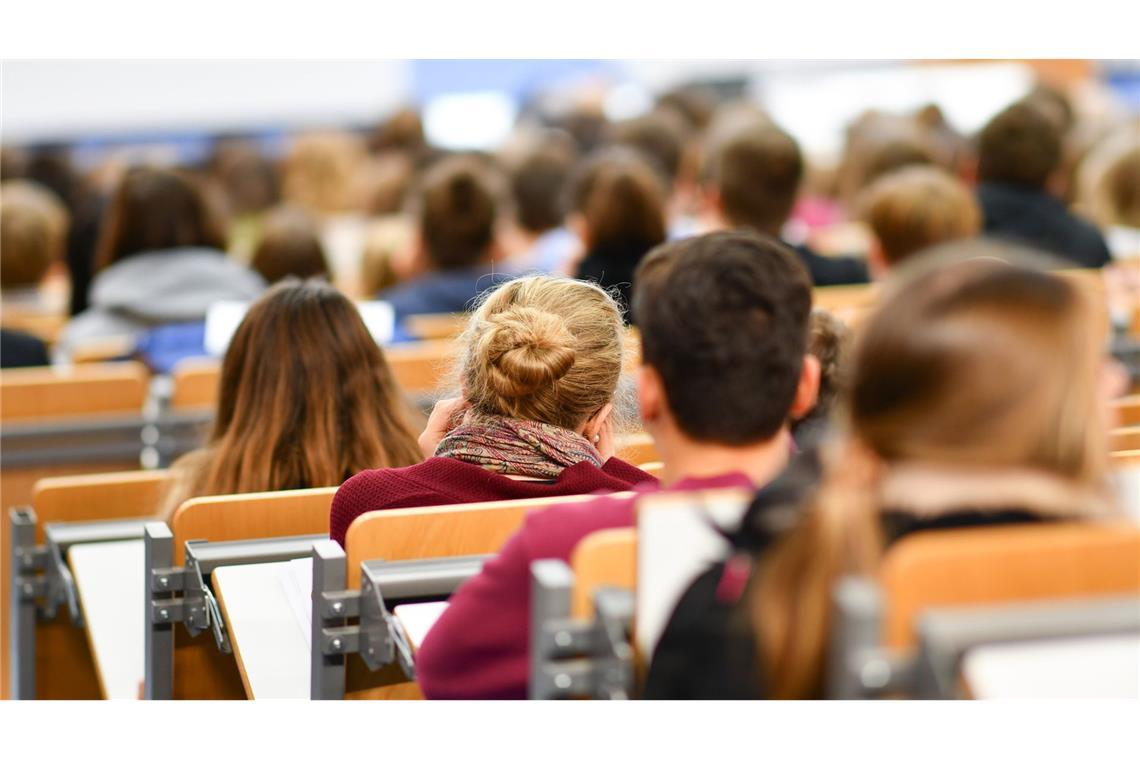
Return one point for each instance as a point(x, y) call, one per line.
point(540, 367)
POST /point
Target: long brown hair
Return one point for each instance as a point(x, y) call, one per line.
point(155, 210)
point(977, 364)
point(306, 400)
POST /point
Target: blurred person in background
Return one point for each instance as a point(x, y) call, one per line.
point(456, 241)
point(33, 232)
point(250, 185)
point(1019, 152)
point(911, 210)
point(290, 246)
point(661, 137)
point(539, 240)
point(751, 179)
point(1109, 188)
point(160, 260)
point(618, 203)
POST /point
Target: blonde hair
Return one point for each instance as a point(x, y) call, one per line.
point(323, 172)
point(977, 365)
point(543, 348)
point(33, 231)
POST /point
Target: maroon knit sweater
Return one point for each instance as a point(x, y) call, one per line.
point(441, 480)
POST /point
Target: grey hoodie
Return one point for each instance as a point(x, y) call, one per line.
point(155, 288)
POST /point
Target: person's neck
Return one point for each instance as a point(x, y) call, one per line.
point(715, 221)
point(685, 458)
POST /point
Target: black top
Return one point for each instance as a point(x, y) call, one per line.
point(1033, 217)
point(707, 650)
point(611, 265)
point(19, 349)
point(832, 270)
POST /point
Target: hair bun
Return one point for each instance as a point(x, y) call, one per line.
point(525, 350)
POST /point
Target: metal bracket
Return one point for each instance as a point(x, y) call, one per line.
point(578, 658)
point(376, 636)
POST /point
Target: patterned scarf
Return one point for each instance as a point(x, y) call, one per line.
point(517, 447)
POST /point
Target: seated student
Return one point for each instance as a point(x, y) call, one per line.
point(457, 210)
point(160, 260)
point(290, 246)
point(541, 361)
point(305, 400)
point(542, 243)
point(977, 399)
point(1019, 151)
point(723, 321)
point(830, 343)
point(33, 233)
point(914, 209)
point(21, 349)
point(618, 205)
point(751, 180)
point(1109, 188)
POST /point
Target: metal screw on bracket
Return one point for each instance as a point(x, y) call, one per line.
point(337, 608)
point(337, 644)
point(163, 581)
point(563, 639)
point(28, 590)
point(562, 681)
point(164, 614)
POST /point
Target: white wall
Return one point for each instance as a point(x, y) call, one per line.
point(45, 100)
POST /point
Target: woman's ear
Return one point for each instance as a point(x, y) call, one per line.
point(807, 392)
point(595, 424)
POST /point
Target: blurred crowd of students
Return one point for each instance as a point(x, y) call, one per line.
point(976, 393)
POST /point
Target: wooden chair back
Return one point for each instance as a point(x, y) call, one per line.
point(1128, 410)
point(200, 670)
point(978, 566)
point(51, 393)
point(422, 367)
point(436, 326)
point(604, 558)
point(637, 449)
point(195, 384)
point(1125, 438)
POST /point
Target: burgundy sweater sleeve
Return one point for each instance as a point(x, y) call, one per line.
point(478, 647)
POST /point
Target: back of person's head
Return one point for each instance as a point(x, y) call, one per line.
point(977, 367)
point(157, 210)
point(828, 341)
point(401, 132)
point(543, 348)
point(321, 172)
point(248, 178)
point(33, 231)
point(756, 172)
point(538, 187)
point(1020, 146)
point(917, 207)
point(983, 363)
point(306, 397)
point(696, 104)
point(457, 208)
point(620, 198)
point(290, 246)
point(724, 323)
point(659, 136)
point(878, 144)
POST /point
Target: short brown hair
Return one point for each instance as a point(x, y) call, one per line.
point(918, 207)
point(1019, 146)
point(538, 187)
point(621, 197)
point(33, 230)
point(458, 207)
point(724, 321)
point(154, 210)
point(659, 136)
point(757, 171)
point(289, 247)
